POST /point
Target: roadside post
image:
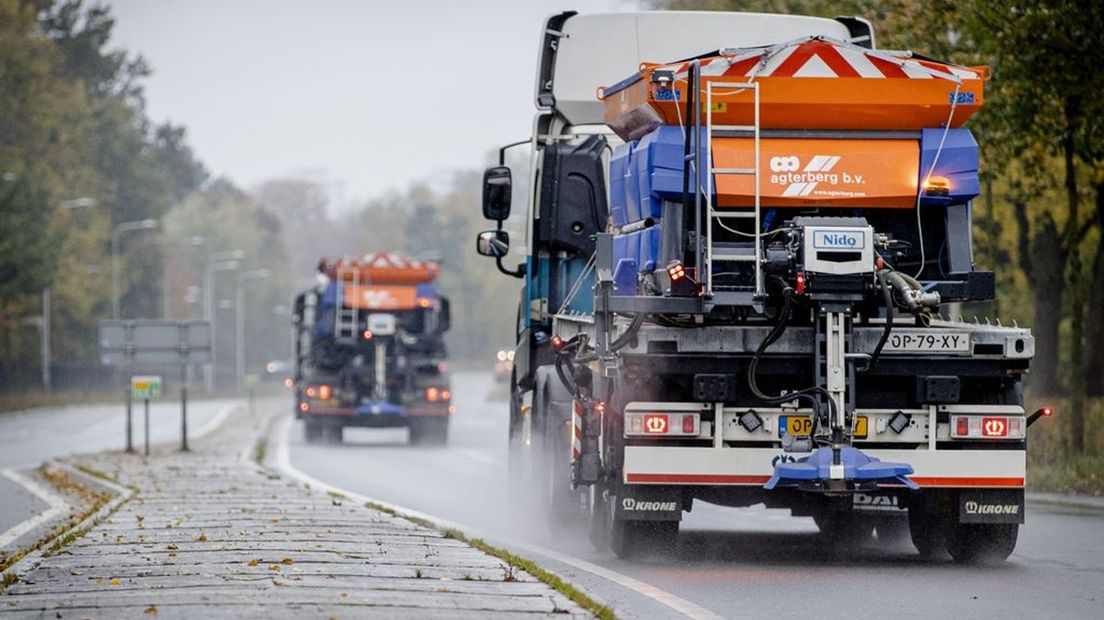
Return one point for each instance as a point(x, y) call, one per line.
point(157, 343)
point(251, 382)
point(145, 388)
point(129, 424)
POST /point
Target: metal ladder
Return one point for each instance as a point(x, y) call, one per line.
point(712, 214)
point(346, 320)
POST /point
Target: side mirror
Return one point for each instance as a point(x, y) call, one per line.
point(494, 243)
point(497, 186)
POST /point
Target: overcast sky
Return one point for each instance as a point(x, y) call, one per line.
point(363, 95)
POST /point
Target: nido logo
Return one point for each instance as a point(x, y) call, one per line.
point(629, 503)
point(976, 508)
point(785, 164)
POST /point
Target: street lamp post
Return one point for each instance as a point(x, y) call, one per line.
point(239, 317)
point(119, 230)
point(219, 261)
point(166, 293)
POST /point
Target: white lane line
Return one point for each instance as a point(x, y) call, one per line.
point(282, 462)
point(476, 455)
point(214, 422)
point(56, 506)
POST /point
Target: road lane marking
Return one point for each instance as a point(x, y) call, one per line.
point(214, 422)
point(476, 455)
point(282, 462)
point(56, 506)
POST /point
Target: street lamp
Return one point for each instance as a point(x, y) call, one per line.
point(219, 261)
point(166, 292)
point(119, 230)
point(239, 310)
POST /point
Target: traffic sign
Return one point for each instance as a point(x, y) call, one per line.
point(145, 387)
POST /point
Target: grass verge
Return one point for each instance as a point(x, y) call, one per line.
point(63, 533)
point(580, 598)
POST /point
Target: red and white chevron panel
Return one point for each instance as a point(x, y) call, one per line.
point(817, 57)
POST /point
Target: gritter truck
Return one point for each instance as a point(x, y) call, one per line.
point(370, 350)
point(744, 241)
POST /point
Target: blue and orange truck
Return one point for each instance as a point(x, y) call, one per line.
point(370, 349)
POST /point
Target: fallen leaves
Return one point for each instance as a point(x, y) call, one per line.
point(254, 562)
point(287, 561)
point(202, 537)
point(151, 610)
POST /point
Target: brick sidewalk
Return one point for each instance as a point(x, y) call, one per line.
point(211, 534)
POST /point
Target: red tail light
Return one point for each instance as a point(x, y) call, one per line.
point(962, 426)
point(324, 392)
point(687, 423)
point(446, 395)
point(288, 382)
point(304, 407)
point(312, 392)
point(433, 394)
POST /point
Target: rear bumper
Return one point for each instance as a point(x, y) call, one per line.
point(754, 466)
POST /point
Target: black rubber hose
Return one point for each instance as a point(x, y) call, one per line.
point(624, 339)
point(887, 295)
point(772, 337)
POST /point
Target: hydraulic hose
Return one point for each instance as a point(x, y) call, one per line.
point(776, 333)
point(887, 296)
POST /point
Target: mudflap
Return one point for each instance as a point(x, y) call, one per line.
point(991, 506)
point(649, 503)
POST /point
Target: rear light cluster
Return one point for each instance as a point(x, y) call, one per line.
point(662, 424)
point(321, 392)
point(987, 427)
point(434, 394)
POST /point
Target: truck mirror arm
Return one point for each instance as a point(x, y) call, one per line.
point(516, 273)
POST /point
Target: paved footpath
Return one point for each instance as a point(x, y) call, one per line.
point(211, 534)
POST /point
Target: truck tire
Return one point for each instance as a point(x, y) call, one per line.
point(312, 431)
point(844, 528)
point(892, 530)
point(627, 539)
point(430, 432)
point(334, 433)
point(632, 539)
point(982, 543)
point(563, 505)
point(927, 531)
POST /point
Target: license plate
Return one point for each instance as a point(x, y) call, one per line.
point(802, 426)
point(920, 340)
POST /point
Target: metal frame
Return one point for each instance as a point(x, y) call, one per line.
point(753, 171)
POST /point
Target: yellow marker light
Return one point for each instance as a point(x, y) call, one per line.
point(937, 186)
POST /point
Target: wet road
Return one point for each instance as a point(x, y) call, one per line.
point(33, 436)
point(734, 563)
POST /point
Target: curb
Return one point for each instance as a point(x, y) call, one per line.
point(1088, 502)
point(122, 495)
point(278, 461)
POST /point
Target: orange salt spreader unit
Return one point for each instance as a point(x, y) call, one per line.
point(839, 123)
point(382, 281)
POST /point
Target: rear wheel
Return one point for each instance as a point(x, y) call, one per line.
point(982, 543)
point(927, 531)
point(892, 530)
point(429, 432)
point(843, 528)
point(630, 539)
point(312, 431)
point(334, 433)
point(563, 505)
